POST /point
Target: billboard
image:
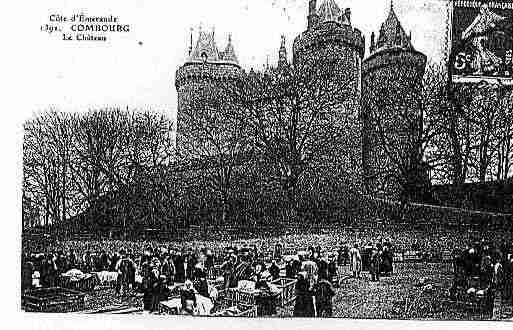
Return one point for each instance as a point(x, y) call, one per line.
point(481, 41)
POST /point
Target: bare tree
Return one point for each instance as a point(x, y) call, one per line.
point(303, 119)
point(47, 165)
point(73, 162)
point(214, 133)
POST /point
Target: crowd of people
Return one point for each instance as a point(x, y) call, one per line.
point(155, 269)
point(484, 269)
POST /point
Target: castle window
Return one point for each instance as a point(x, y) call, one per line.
point(204, 56)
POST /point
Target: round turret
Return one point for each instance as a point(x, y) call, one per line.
point(205, 77)
point(391, 108)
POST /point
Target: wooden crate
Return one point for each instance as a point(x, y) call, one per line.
point(53, 300)
point(166, 310)
point(412, 256)
point(236, 297)
point(287, 288)
point(214, 273)
point(244, 311)
point(245, 298)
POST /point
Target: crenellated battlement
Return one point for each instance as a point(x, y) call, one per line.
point(329, 33)
point(394, 57)
point(207, 72)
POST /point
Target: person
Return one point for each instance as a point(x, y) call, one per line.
point(356, 261)
point(277, 251)
point(73, 259)
point(303, 306)
point(155, 287)
point(274, 270)
point(508, 279)
point(386, 260)
point(114, 262)
point(324, 292)
point(188, 298)
point(228, 268)
point(87, 262)
point(201, 284)
point(290, 269)
point(124, 268)
point(311, 271)
point(332, 269)
point(104, 261)
point(498, 274)
point(486, 271)
point(48, 271)
point(168, 270)
point(179, 268)
point(191, 262)
point(146, 285)
point(209, 260)
point(342, 257)
point(375, 261)
point(322, 266)
point(26, 275)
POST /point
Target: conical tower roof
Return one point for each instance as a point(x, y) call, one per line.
point(329, 11)
point(392, 34)
point(229, 52)
point(206, 48)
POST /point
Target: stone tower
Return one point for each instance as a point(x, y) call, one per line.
point(331, 43)
point(332, 46)
point(391, 112)
point(203, 79)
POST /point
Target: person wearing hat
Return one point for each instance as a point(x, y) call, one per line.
point(124, 268)
point(228, 268)
point(332, 267)
point(168, 270)
point(304, 306)
point(274, 270)
point(323, 292)
point(155, 288)
point(179, 263)
point(188, 298)
point(375, 261)
point(201, 283)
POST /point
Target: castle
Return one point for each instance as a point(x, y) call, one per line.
point(392, 73)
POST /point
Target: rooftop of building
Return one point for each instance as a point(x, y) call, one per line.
point(206, 50)
point(391, 35)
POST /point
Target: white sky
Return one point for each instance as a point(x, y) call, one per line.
point(73, 76)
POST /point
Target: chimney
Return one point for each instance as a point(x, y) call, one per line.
point(190, 46)
point(282, 59)
point(373, 43)
point(312, 14)
point(347, 13)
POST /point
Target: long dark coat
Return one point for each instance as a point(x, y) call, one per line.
point(304, 306)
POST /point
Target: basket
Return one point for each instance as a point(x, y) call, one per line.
point(287, 288)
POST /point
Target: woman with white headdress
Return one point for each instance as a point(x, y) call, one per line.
point(356, 261)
